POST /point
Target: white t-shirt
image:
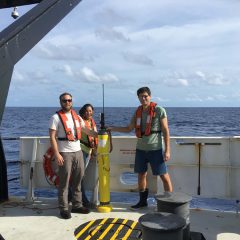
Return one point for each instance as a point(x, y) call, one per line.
point(56, 124)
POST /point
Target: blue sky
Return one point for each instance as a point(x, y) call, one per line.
point(187, 52)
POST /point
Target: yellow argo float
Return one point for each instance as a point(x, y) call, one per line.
point(104, 172)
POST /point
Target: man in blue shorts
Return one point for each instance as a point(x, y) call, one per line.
point(150, 123)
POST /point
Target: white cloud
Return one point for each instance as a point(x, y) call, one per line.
point(198, 78)
point(160, 99)
point(70, 51)
point(220, 97)
point(201, 75)
point(90, 76)
point(183, 82)
point(86, 74)
point(137, 58)
point(111, 15)
point(175, 79)
point(196, 98)
point(217, 79)
point(111, 35)
point(37, 75)
point(18, 76)
point(68, 70)
point(179, 82)
point(209, 98)
point(26, 78)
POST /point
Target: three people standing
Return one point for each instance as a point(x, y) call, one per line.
point(66, 128)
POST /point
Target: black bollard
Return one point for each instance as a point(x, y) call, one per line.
point(161, 225)
point(177, 203)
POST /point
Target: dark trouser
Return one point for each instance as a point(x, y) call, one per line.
point(73, 166)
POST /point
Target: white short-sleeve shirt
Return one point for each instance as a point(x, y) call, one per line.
point(56, 124)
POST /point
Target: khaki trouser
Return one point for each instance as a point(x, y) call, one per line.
point(73, 166)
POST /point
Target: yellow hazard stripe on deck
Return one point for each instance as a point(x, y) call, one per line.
point(108, 228)
point(119, 229)
point(84, 229)
point(97, 228)
point(129, 231)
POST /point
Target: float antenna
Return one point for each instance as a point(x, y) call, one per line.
point(102, 121)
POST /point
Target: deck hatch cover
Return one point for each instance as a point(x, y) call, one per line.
point(109, 229)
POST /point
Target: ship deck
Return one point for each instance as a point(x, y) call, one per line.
point(40, 220)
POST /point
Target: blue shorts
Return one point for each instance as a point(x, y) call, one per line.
point(155, 158)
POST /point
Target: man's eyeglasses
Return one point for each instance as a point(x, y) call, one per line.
point(144, 96)
point(66, 100)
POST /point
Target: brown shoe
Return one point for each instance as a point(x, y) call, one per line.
point(82, 210)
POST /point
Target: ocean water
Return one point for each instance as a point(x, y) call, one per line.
point(33, 121)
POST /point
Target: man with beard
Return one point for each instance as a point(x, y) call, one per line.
point(65, 132)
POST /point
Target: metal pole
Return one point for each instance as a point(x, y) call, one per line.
point(102, 121)
point(3, 175)
point(199, 169)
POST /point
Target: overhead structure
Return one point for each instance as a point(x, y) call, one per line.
point(15, 3)
point(16, 41)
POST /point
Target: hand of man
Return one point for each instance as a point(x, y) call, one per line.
point(59, 159)
point(166, 156)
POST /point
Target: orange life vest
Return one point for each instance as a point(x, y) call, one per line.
point(93, 142)
point(77, 124)
point(151, 114)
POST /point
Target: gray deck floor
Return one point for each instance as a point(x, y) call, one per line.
point(40, 221)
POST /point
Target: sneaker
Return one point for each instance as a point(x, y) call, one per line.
point(65, 214)
point(82, 210)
